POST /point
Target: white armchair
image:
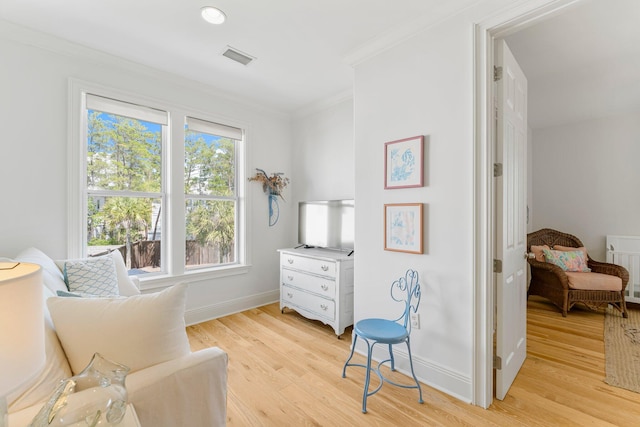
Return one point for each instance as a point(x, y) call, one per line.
point(168, 386)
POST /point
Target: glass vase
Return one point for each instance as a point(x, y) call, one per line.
point(97, 396)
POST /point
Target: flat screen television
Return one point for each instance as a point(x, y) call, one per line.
point(327, 224)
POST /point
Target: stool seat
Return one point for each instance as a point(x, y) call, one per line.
point(381, 330)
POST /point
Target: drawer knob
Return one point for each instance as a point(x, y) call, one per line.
point(290, 260)
point(289, 294)
point(324, 267)
point(324, 287)
point(324, 307)
point(290, 278)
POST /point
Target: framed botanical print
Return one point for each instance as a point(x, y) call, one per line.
point(404, 163)
point(403, 227)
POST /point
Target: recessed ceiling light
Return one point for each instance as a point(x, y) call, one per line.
point(213, 15)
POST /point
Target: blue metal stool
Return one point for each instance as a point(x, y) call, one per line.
point(381, 331)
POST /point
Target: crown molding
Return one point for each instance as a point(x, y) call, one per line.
point(398, 34)
point(323, 104)
point(29, 37)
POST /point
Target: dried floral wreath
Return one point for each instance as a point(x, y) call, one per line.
point(273, 184)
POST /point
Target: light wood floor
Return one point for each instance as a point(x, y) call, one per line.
point(285, 370)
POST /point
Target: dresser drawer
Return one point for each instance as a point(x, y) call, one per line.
point(315, 266)
point(314, 303)
point(319, 285)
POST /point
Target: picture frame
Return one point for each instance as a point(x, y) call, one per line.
point(403, 227)
point(404, 163)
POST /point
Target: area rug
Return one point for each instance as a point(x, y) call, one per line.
point(622, 349)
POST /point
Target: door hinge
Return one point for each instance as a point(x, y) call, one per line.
point(497, 73)
point(497, 170)
point(497, 266)
point(497, 362)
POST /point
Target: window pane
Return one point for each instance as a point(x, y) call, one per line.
point(123, 153)
point(129, 224)
point(210, 232)
point(209, 165)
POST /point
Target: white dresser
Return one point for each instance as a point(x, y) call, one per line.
point(318, 283)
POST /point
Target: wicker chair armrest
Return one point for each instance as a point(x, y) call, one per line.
point(610, 269)
point(547, 266)
point(548, 272)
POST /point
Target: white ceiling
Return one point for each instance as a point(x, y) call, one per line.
point(300, 45)
point(580, 64)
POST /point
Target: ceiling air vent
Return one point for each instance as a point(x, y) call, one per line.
point(236, 55)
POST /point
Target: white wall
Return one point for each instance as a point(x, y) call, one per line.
point(585, 179)
point(323, 162)
point(421, 87)
point(33, 156)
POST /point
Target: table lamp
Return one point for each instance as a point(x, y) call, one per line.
point(22, 353)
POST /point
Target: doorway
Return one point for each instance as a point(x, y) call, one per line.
point(486, 320)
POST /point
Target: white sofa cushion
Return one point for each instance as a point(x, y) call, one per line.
point(193, 389)
point(125, 284)
point(139, 331)
point(51, 274)
point(189, 391)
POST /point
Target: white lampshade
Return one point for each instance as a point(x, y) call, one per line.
point(22, 354)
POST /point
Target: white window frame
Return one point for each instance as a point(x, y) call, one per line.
point(195, 124)
point(173, 253)
point(93, 101)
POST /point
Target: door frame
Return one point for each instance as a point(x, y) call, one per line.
point(485, 32)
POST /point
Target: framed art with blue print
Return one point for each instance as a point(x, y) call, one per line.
point(403, 225)
point(404, 163)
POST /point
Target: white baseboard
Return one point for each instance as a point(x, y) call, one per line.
point(428, 372)
point(202, 314)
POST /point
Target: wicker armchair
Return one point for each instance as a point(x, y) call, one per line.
point(550, 281)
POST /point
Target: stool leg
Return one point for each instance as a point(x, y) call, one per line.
point(413, 374)
point(353, 347)
point(367, 377)
point(393, 362)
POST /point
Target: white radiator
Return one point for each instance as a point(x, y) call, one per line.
point(625, 251)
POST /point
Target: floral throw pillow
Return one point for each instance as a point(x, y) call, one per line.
point(567, 260)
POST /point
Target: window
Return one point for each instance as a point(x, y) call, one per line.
point(124, 170)
point(210, 192)
point(127, 196)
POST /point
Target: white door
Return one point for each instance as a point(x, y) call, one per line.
point(511, 232)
